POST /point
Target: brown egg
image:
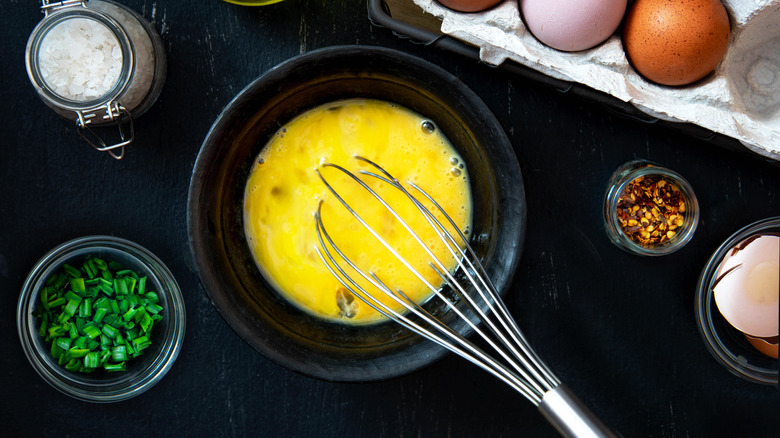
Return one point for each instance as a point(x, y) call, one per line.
point(469, 5)
point(676, 42)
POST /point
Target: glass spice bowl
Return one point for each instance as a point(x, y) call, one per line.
point(728, 345)
point(649, 210)
point(142, 372)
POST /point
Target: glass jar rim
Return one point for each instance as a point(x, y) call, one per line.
point(620, 179)
point(41, 31)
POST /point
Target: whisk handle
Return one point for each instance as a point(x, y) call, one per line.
point(570, 416)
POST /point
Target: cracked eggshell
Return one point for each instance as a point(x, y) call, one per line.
point(572, 26)
point(748, 286)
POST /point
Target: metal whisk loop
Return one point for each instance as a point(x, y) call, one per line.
point(510, 336)
point(460, 346)
point(525, 373)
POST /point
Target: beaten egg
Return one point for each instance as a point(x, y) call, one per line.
point(284, 191)
point(676, 42)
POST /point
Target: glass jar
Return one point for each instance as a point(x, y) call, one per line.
point(649, 210)
point(729, 346)
point(97, 63)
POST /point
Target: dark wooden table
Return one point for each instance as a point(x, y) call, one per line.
point(619, 329)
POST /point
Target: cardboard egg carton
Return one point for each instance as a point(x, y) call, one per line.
point(741, 99)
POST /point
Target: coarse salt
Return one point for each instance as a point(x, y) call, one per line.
point(80, 59)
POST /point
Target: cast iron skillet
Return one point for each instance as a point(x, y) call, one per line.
point(222, 257)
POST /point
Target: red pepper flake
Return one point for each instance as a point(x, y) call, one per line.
point(651, 210)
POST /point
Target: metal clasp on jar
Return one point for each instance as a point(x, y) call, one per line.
point(114, 112)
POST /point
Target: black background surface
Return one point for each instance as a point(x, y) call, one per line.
point(619, 329)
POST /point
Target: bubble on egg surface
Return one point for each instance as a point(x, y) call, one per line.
point(747, 287)
point(676, 42)
point(572, 26)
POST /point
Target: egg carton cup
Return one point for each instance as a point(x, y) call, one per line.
point(740, 99)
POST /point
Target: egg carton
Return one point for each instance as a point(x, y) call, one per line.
point(740, 99)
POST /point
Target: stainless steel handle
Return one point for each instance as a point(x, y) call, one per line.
point(570, 416)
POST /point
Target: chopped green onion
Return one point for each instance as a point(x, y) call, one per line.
point(97, 316)
point(110, 331)
point(114, 367)
point(70, 270)
point(77, 285)
point(92, 332)
point(92, 360)
point(119, 353)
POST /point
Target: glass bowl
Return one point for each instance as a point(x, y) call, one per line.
point(142, 372)
point(618, 182)
point(727, 344)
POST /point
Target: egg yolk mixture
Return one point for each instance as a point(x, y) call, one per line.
point(284, 191)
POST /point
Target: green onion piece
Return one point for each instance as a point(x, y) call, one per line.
point(130, 282)
point(153, 308)
point(99, 314)
point(63, 343)
point(114, 367)
point(100, 263)
point(93, 345)
point(110, 331)
point(119, 353)
point(73, 365)
point(56, 350)
point(77, 285)
point(91, 332)
point(80, 342)
point(91, 360)
point(142, 286)
point(57, 302)
point(55, 331)
point(85, 308)
point(77, 352)
point(146, 323)
point(70, 270)
point(152, 297)
point(73, 332)
point(141, 343)
point(129, 314)
point(70, 295)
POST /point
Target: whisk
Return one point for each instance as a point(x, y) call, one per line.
point(518, 366)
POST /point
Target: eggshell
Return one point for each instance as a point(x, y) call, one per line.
point(469, 5)
point(572, 25)
point(747, 289)
point(767, 346)
point(676, 42)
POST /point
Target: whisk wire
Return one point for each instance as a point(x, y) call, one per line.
point(496, 305)
point(511, 337)
point(472, 353)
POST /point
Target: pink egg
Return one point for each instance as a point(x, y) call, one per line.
point(571, 25)
point(747, 287)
